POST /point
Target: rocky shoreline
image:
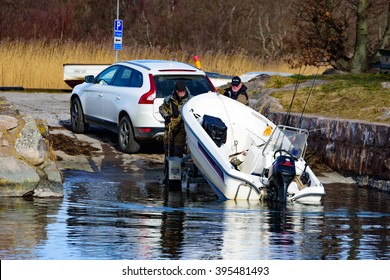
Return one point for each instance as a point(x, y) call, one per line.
point(27, 166)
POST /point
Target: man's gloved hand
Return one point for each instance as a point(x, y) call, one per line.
point(168, 119)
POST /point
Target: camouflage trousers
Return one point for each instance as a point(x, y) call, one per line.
point(174, 144)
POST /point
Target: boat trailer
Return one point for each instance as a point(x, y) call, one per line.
point(182, 172)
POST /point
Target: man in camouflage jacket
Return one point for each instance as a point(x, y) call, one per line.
point(174, 134)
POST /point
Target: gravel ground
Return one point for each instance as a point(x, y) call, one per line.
point(51, 107)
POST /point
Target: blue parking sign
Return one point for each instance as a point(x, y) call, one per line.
point(118, 28)
point(118, 25)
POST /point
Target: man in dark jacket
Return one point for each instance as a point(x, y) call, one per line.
point(237, 91)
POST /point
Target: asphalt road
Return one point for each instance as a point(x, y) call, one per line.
point(51, 107)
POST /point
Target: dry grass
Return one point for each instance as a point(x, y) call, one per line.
point(359, 97)
point(39, 64)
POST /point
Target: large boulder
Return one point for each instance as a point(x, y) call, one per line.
point(27, 166)
point(17, 178)
point(30, 144)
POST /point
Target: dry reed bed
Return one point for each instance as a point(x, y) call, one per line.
point(39, 64)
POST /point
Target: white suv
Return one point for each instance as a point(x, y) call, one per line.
point(126, 96)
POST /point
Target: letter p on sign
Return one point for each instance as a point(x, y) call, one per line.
point(118, 25)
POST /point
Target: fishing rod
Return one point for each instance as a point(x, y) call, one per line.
point(287, 117)
point(312, 85)
point(308, 96)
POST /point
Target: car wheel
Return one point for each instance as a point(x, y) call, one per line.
point(126, 139)
point(77, 117)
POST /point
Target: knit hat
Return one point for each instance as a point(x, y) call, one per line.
point(180, 86)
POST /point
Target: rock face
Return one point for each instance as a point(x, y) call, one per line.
point(17, 178)
point(26, 166)
point(350, 147)
point(30, 144)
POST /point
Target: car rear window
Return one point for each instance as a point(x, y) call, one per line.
point(196, 84)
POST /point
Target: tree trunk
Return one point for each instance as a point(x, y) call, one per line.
point(359, 61)
point(386, 33)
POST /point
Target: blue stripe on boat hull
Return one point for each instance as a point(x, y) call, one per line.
point(213, 164)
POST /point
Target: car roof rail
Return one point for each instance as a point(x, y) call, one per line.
point(138, 64)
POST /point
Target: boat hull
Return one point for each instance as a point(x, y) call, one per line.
point(222, 181)
point(74, 73)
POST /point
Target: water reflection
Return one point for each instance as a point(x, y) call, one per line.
point(23, 225)
point(271, 230)
point(142, 220)
point(172, 225)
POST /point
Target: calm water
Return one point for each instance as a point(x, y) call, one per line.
point(133, 220)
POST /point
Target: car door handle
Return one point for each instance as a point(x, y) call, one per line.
point(118, 97)
point(101, 94)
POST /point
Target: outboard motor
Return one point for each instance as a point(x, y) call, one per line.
point(281, 174)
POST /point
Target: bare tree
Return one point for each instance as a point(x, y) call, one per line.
point(345, 34)
point(271, 33)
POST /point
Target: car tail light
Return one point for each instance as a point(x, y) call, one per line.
point(148, 98)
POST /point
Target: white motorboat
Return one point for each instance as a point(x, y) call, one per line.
point(74, 73)
point(243, 155)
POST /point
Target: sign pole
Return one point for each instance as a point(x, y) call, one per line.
point(117, 17)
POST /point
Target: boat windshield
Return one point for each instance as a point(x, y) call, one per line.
point(290, 139)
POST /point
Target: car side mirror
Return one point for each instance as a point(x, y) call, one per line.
point(89, 79)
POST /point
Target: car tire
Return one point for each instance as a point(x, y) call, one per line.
point(126, 139)
point(77, 117)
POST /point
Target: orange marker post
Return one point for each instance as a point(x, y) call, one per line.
point(197, 62)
